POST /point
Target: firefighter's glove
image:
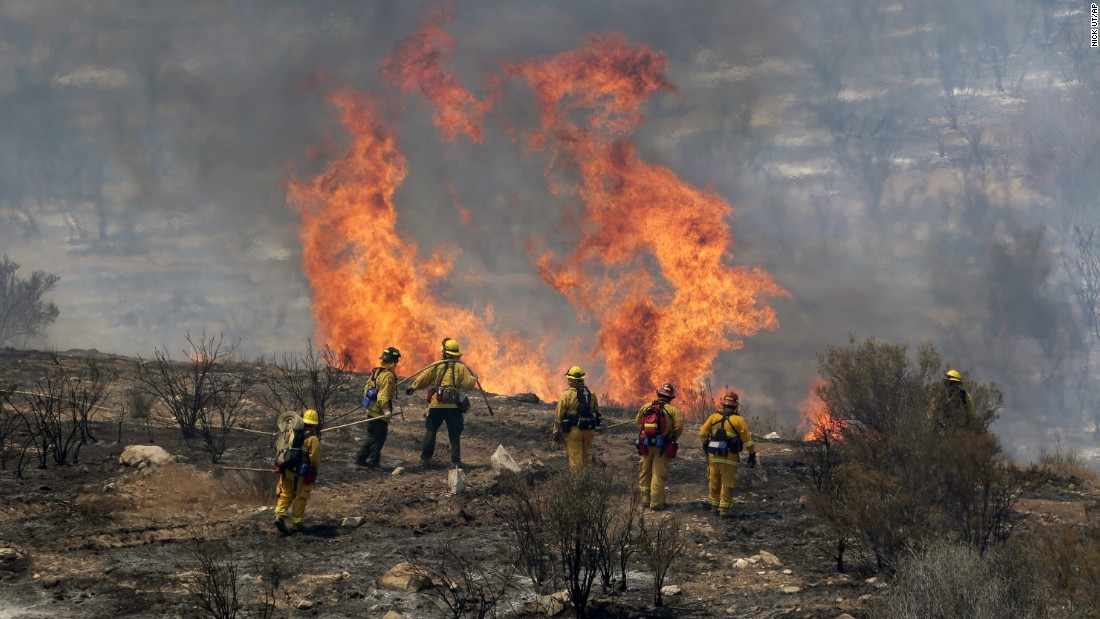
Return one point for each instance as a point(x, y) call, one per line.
point(752, 460)
point(409, 391)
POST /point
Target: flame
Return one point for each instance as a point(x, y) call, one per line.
point(422, 62)
point(816, 420)
point(371, 287)
point(651, 267)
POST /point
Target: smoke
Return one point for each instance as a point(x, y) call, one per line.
point(874, 168)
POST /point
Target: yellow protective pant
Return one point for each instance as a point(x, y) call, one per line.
point(652, 475)
point(578, 447)
point(292, 497)
point(723, 480)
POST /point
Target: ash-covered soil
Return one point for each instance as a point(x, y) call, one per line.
point(104, 540)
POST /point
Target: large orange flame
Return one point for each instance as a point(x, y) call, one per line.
point(422, 62)
point(816, 420)
point(651, 264)
point(371, 287)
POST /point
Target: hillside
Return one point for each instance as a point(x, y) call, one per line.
point(100, 539)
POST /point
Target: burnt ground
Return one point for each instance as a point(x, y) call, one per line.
point(106, 540)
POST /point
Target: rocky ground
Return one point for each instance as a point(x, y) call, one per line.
point(99, 539)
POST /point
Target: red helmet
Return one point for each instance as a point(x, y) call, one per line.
point(667, 390)
point(731, 400)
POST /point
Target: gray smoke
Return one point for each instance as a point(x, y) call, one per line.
point(909, 171)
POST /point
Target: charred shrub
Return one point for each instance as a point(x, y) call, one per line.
point(562, 528)
point(213, 578)
point(662, 541)
point(465, 584)
point(894, 470)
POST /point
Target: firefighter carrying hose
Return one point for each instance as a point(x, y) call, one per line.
point(577, 418)
point(724, 435)
point(378, 396)
point(446, 404)
point(660, 424)
point(296, 479)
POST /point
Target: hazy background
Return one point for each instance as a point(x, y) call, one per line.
point(915, 171)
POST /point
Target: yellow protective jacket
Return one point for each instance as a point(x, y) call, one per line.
point(569, 404)
point(384, 379)
point(442, 376)
point(311, 449)
point(734, 424)
point(673, 430)
point(956, 410)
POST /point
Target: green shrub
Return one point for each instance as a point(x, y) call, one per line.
point(948, 580)
point(894, 475)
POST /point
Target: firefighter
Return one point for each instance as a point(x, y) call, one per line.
point(660, 424)
point(724, 434)
point(577, 419)
point(378, 396)
point(956, 409)
point(446, 403)
point(296, 483)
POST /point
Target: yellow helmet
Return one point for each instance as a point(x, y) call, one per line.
point(952, 376)
point(575, 372)
point(450, 348)
point(310, 417)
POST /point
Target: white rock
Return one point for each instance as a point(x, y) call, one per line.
point(769, 559)
point(671, 590)
point(548, 605)
point(772, 435)
point(405, 577)
point(136, 455)
point(305, 605)
point(398, 470)
point(740, 564)
point(791, 589)
point(353, 521)
point(787, 572)
point(393, 614)
point(456, 479)
point(503, 461)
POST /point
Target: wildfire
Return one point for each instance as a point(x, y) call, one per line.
point(650, 265)
point(816, 419)
point(371, 288)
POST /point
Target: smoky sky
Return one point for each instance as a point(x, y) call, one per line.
point(907, 171)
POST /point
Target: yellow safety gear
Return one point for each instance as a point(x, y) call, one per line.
point(734, 424)
point(653, 467)
point(383, 379)
point(310, 417)
point(575, 372)
point(441, 376)
point(292, 490)
point(952, 376)
point(451, 348)
point(578, 443)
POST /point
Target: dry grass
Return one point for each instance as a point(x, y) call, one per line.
point(1065, 465)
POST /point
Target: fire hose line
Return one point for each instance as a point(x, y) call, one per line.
point(616, 425)
point(432, 365)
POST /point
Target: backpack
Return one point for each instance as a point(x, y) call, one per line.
point(585, 419)
point(370, 395)
point(722, 443)
point(653, 424)
point(448, 394)
point(288, 440)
